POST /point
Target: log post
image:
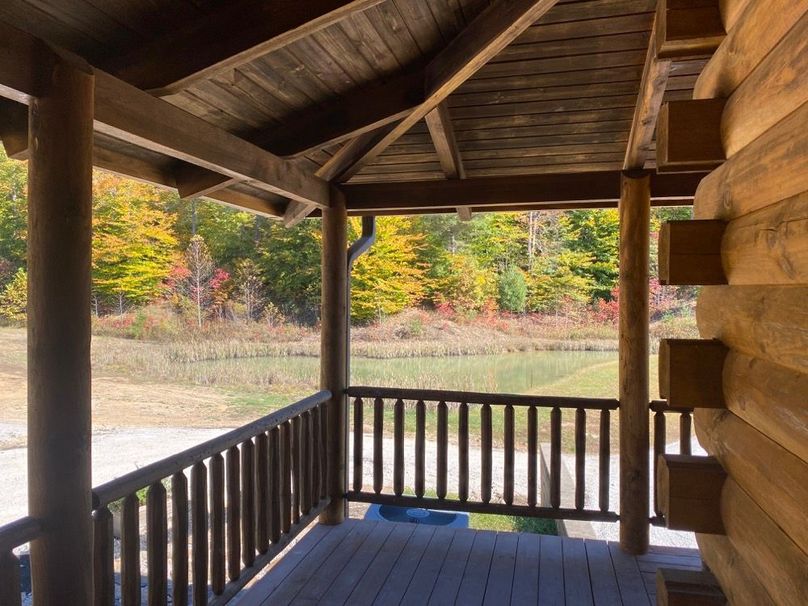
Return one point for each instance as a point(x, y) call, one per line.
point(333, 352)
point(59, 253)
point(634, 209)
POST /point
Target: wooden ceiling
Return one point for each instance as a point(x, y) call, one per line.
point(348, 83)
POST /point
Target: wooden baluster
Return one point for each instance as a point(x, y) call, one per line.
point(157, 544)
point(420, 447)
point(179, 539)
point(463, 452)
point(378, 445)
point(296, 469)
point(485, 453)
point(685, 424)
point(580, 458)
point(659, 449)
point(130, 551)
point(508, 440)
point(555, 458)
point(261, 493)
point(10, 589)
point(316, 482)
point(275, 484)
point(217, 534)
point(103, 559)
point(286, 476)
point(443, 449)
point(398, 448)
point(603, 461)
point(358, 439)
point(323, 441)
point(532, 448)
point(305, 481)
point(199, 533)
point(233, 463)
point(247, 503)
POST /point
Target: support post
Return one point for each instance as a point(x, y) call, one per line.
point(634, 209)
point(333, 352)
point(59, 256)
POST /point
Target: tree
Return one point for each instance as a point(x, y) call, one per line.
point(465, 286)
point(249, 287)
point(133, 244)
point(201, 272)
point(512, 290)
point(13, 215)
point(14, 298)
point(595, 234)
point(499, 239)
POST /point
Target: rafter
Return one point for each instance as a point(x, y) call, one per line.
point(226, 38)
point(439, 123)
point(649, 101)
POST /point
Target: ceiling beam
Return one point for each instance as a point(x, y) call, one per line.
point(14, 128)
point(649, 101)
point(439, 124)
point(596, 190)
point(490, 32)
point(226, 38)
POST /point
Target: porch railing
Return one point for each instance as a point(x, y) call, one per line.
point(12, 536)
point(662, 412)
point(475, 411)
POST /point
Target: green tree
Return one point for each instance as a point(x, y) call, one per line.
point(465, 286)
point(13, 215)
point(553, 282)
point(133, 243)
point(595, 234)
point(14, 298)
point(512, 290)
point(499, 239)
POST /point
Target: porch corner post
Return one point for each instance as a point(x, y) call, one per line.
point(634, 210)
point(333, 352)
point(59, 266)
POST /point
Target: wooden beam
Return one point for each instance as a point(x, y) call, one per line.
point(690, 372)
point(649, 100)
point(675, 587)
point(225, 38)
point(439, 124)
point(14, 128)
point(689, 136)
point(689, 492)
point(690, 253)
point(688, 28)
point(129, 114)
point(598, 189)
point(635, 217)
point(496, 27)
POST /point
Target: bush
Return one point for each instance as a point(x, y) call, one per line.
point(512, 290)
point(466, 287)
point(14, 298)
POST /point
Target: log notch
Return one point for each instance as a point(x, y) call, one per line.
point(634, 209)
point(689, 136)
point(690, 253)
point(689, 493)
point(688, 28)
point(690, 372)
point(333, 352)
point(60, 222)
point(687, 587)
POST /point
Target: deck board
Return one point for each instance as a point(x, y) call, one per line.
point(361, 563)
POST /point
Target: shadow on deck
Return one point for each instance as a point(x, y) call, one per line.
point(363, 562)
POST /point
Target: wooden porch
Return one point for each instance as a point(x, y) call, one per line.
point(366, 562)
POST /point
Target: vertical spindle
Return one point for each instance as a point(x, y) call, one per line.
point(398, 448)
point(486, 447)
point(443, 449)
point(580, 458)
point(157, 544)
point(286, 476)
point(296, 470)
point(659, 449)
point(247, 502)
point(233, 463)
point(420, 447)
point(685, 424)
point(378, 445)
point(130, 551)
point(463, 452)
point(217, 530)
point(358, 439)
point(604, 464)
point(532, 448)
point(261, 493)
point(275, 484)
point(555, 458)
point(103, 559)
point(508, 440)
point(179, 539)
point(199, 533)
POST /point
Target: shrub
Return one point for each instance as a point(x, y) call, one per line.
point(512, 290)
point(14, 298)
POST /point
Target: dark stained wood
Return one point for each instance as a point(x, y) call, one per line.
point(217, 524)
point(475, 576)
point(679, 587)
point(378, 445)
point(577, 589)
point(233, 488)
point(439, 122)
point(532, 450)
point(157, 544)
point(688, 28)
point(508, 443)
point(358, 440)
point(690, 372)
point(14, 128)
point(130, 551)
point(297, 470)
point(660, 438)
point(443, 449)
point(286, 477)
point(555, 458)
point(690, 252)
point(551, 571)
point(169, 63)
point(247, 503)
point(580, 458)
point(398, 447)
point(463, 451)
point(604, 467)
point(689, 136)
point(103, 561)
point(486, 446)
point(503, 563)
point(275, 485)
point(305, 468)
point(179, 539)
point(420, 447)
point(526, 572)
point(689, 490)
point(10, 588)
point(199, 533)
point(685, 424)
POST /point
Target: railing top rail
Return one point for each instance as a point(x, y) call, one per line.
point(19, 532)
point(468, 397)
point(663, 406)
point(145, 476)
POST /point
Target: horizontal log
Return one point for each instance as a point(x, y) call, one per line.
point(776, 479)
point(774, 89)
point(469, 397)
point(758, 29)
point(689, 492)
point(19, 532)
point(731, 11)
point(771, 168)
point(676, 587)
point(689, 136)
point(768, 323)
point(690, 372)
point(690, 252)
point(688, 28)
point(777, 561)
point(770, 398)
point(738, 581)
point(768, 246)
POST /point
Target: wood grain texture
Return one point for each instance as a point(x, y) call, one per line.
point(690, 372)
point(689, 493)
point(688, 28)
point(689, 136)
point(739, 582)
point(689, 252)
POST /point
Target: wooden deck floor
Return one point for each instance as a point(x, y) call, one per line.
point(362, 562)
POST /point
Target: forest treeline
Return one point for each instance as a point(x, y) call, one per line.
point(207, 261)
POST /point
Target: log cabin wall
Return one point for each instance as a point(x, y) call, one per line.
point(759, 434)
